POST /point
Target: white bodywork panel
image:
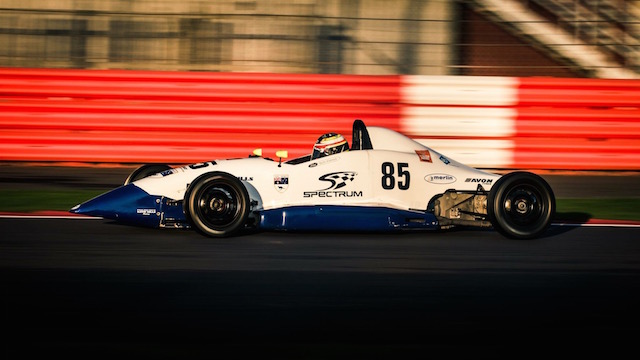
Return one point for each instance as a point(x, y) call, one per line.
point(398, 173)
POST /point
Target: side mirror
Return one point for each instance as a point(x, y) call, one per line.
point(282, 154)
point(257, 152)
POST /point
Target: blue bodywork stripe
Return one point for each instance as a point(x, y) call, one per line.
point(132, 205)
point(128, 204)
point(345, 218)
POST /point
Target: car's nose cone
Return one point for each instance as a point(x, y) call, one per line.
point(127, 203)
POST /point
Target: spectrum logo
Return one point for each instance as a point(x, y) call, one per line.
point(338, 180)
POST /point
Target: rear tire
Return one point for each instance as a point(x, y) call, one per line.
point(146, 170)
point(217, 204)
point(521, 205)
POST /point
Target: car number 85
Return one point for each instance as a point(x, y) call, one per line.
point(389, 176)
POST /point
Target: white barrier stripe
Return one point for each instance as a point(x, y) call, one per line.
point(458, 121)
point(475, 152)
point(459, 90)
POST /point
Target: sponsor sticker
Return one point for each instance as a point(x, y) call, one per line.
point(440, 178)
point(198, 165)
point(337, 180)
point(169, 172)
point(325, 160)
point(424, 155)
point(281, 182)
point(479, 180)
point(146, 212)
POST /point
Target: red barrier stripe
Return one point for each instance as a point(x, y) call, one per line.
point(578, 122)
point(177, 117)
point(577, 154)
point(578, 92)
point(95, 84)
point(209, 92)
point(183, 76)
point(121, 154)
point(577, 83)
point(124, 147)
point(170, 122)
point(159, 139)
point(198, 107)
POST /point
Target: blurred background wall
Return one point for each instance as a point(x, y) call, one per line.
point(565, 38)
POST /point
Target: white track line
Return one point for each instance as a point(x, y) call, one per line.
point(597, 225)
point(49, 217)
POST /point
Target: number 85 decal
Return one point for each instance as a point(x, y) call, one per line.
point(389, 178)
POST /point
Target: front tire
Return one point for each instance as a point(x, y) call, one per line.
point(217, 204)
point(521, 205)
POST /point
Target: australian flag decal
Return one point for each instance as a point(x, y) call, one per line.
point(281, 182)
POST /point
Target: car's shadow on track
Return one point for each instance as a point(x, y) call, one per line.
point(565, 222)
point(562, 223)
point(572, 217)
point(397, 234)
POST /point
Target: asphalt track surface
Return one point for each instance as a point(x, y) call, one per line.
point(93, 288)
point(96, 289)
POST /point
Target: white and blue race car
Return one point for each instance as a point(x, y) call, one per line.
point(385, 181)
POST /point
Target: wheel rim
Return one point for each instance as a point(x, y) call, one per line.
point(523, 205)
point(218, 206)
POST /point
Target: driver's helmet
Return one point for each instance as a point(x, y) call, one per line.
point(329, 144)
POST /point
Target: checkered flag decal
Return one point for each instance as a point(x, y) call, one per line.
point(338, 179)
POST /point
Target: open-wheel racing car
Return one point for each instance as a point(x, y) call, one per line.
point(384, 181)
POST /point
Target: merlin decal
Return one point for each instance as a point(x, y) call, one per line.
point(440, 178)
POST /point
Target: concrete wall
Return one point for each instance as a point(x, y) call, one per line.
point(359, 37)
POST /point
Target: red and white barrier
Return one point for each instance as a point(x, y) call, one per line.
point(471, 119)
point(530, 123)
point(62, 115)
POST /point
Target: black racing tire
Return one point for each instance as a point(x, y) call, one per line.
point(146, 170)
point(521, 205)
point(217, 204)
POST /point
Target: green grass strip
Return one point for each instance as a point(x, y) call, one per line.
point(33, 200)
point(566, 209)
point(605, 208)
